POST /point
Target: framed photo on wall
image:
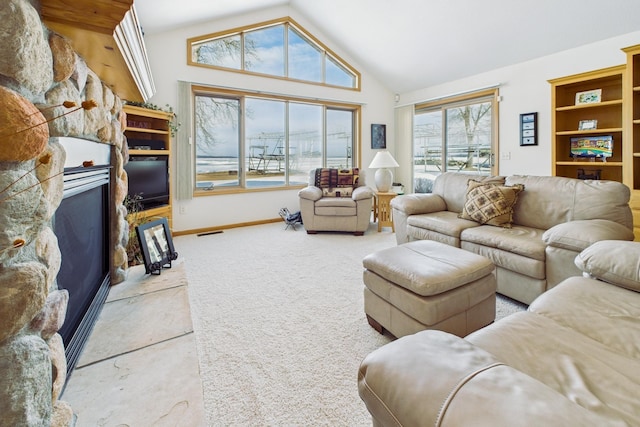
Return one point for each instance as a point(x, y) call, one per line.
point(529, 129)
point(378, 136)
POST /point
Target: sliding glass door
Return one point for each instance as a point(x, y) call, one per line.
point(454, 136)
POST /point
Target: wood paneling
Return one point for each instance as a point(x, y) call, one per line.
point(101, 16)
point(89, 25)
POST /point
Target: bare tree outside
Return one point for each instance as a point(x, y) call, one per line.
point(226, 52)
point(457, 138)
point(476, 121)
point(210, 111)
point(240, 141)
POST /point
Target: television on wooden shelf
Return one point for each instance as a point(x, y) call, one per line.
point(148, 180)
point(592, 147)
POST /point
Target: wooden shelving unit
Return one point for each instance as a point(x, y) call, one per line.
point(566, 116)
point(632, 131)
point(148, 135)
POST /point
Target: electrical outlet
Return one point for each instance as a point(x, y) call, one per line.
point(182, 210)
point(505, 155)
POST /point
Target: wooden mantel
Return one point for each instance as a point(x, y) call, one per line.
point(107, 35)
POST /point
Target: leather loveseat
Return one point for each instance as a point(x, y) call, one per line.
point(554, 218)
point(571, 359)
point(336, 200)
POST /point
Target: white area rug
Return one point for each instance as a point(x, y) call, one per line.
point(280, 325)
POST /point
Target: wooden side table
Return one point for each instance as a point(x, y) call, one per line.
point(382, 209)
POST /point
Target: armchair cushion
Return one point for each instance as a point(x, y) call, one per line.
point(613, 261)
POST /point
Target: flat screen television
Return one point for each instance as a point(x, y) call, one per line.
point(592, 146)
point(148, 180)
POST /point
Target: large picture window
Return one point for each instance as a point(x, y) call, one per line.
point(279, 48)
point(454, 135)
point(247, 141)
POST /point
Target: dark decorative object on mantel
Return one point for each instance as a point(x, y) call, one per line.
point(156, 245)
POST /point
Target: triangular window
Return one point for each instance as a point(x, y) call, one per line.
point(279, 48)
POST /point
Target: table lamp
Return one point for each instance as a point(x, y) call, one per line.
point(383, 178)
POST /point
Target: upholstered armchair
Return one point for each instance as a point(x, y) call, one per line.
point(336, 200)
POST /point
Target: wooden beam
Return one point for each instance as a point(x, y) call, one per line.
point(101, 16)
point(90, 27)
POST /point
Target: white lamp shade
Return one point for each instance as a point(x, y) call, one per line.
point(383, 176)
point(383, 159)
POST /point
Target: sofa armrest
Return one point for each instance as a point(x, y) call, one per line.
point(310, 193)
point(612, 261)
point(418, 203)
point(435, 378)
point(579, 235)
point(361, 193)
point(413, 204)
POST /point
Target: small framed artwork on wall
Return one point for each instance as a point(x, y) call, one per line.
point(529, 129)
point(378, 136)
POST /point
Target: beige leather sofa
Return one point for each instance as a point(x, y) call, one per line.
point(554, 219)
point(572, 359)
point(350, 214)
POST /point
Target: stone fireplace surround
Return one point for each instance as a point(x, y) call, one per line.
point(39, 71)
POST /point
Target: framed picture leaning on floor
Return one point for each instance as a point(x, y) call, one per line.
point(156, 245)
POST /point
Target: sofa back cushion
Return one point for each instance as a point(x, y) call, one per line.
point(551, 200)
point(452, 187)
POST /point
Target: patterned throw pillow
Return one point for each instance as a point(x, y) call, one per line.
point(490, 203)
point(331, 177)
point(336, 182)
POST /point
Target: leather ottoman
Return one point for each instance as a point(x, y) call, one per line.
point(428, 285)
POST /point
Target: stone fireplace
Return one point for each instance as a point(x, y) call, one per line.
point(47, 93)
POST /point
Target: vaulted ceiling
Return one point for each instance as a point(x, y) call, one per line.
point(413, 44)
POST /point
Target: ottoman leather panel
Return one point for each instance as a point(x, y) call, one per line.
point(428, 285)
point(432, 309)
point(428, 268)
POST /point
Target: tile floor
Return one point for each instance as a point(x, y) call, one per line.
point(140, 366)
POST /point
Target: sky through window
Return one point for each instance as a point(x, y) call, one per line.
point(279, 49)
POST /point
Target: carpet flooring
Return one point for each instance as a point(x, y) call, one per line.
point(279, 323)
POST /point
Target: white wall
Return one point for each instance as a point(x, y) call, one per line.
point(168, 60)
point(524, 89)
